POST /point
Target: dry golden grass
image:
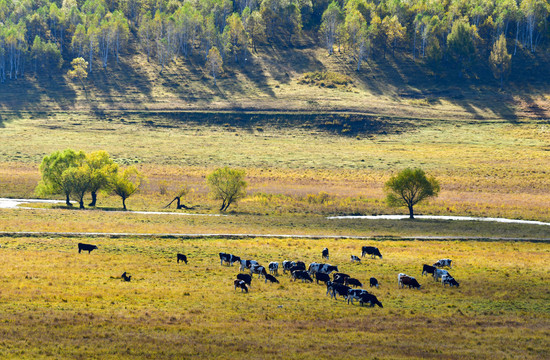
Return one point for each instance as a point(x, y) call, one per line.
point(57, 303)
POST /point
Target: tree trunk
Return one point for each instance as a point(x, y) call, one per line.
point(81, 202)
point(94, 199)
point(411, 212)
point(124, 203)
point(68, 201)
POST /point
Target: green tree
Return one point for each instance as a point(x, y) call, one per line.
point(227, 185)
point(409, 187)
point(460, 43)
point(126, 184)
point(332, 18)
point(77, 181)
point(214, 62)
point(102, 169)
point(52, 168)
point(500, 60)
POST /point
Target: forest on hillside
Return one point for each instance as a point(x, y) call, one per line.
point(42, 37)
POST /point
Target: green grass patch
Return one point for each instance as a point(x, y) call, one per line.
point(58, 303)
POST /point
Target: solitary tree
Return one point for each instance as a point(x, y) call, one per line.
point(79, 71)
point(52, 168)
point(410, 187)
point(214, 62)
point(227, 185)
point(125, 184)
point(500, 60)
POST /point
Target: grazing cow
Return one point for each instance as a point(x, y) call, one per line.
point(323, 268)
point(258, 269)
point(369, 298)
point(330, 288)
point(240, 284)
point(301, 264)
point(324, 254)
point(443, 262)
point(125, 277)
point(322, 277)
point(181, 257)
point(246, 278)
point(86, 247)
point(438, 273)
point(406, 280)
point(339, 289)
point(246, 264)
point(373, 282)
point(302, 275)
point(370, 250)
point(339, 274)
point(271, 278)
point(352, 282)
point(355, 258)
point(287, 265)
point(427, 269)
point(229, 258)
point(355, 294)
point(448, 279)
point(273, 268)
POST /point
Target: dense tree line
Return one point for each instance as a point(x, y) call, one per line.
point(39, 35)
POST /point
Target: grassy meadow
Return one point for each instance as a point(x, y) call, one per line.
point(56, 303)
point(299, 171)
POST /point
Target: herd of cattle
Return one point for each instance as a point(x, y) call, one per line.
point(340, 285)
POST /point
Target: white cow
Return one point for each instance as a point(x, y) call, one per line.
point(438, 273)
point(273, 267)
point(257, 269)
point(443, 262)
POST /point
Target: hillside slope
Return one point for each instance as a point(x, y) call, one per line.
point(271, 80)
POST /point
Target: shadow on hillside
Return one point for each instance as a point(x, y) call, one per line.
point(118, 84)
point(476, 92)
point(25, 93)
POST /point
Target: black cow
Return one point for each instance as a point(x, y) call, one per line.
point(324, 254)
point(302, 275)
point(428, 269)
point(369, 298)
point(355, 294)
point(271, 278)
point(373, 282)
point(339, 289)
point(339, 274)
point(182, 257)
point(287, 265)
point(370, 250)
point(322, 277)
point(86, 247)
point(125, 277)
point(301, 265)
point(352, 282)
point(240, 284)
point(228, 258)
point(246, 278)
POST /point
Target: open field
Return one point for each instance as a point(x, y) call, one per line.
point(56, 303)
point(298, 165)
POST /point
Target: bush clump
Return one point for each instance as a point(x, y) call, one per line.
point(327, 79)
